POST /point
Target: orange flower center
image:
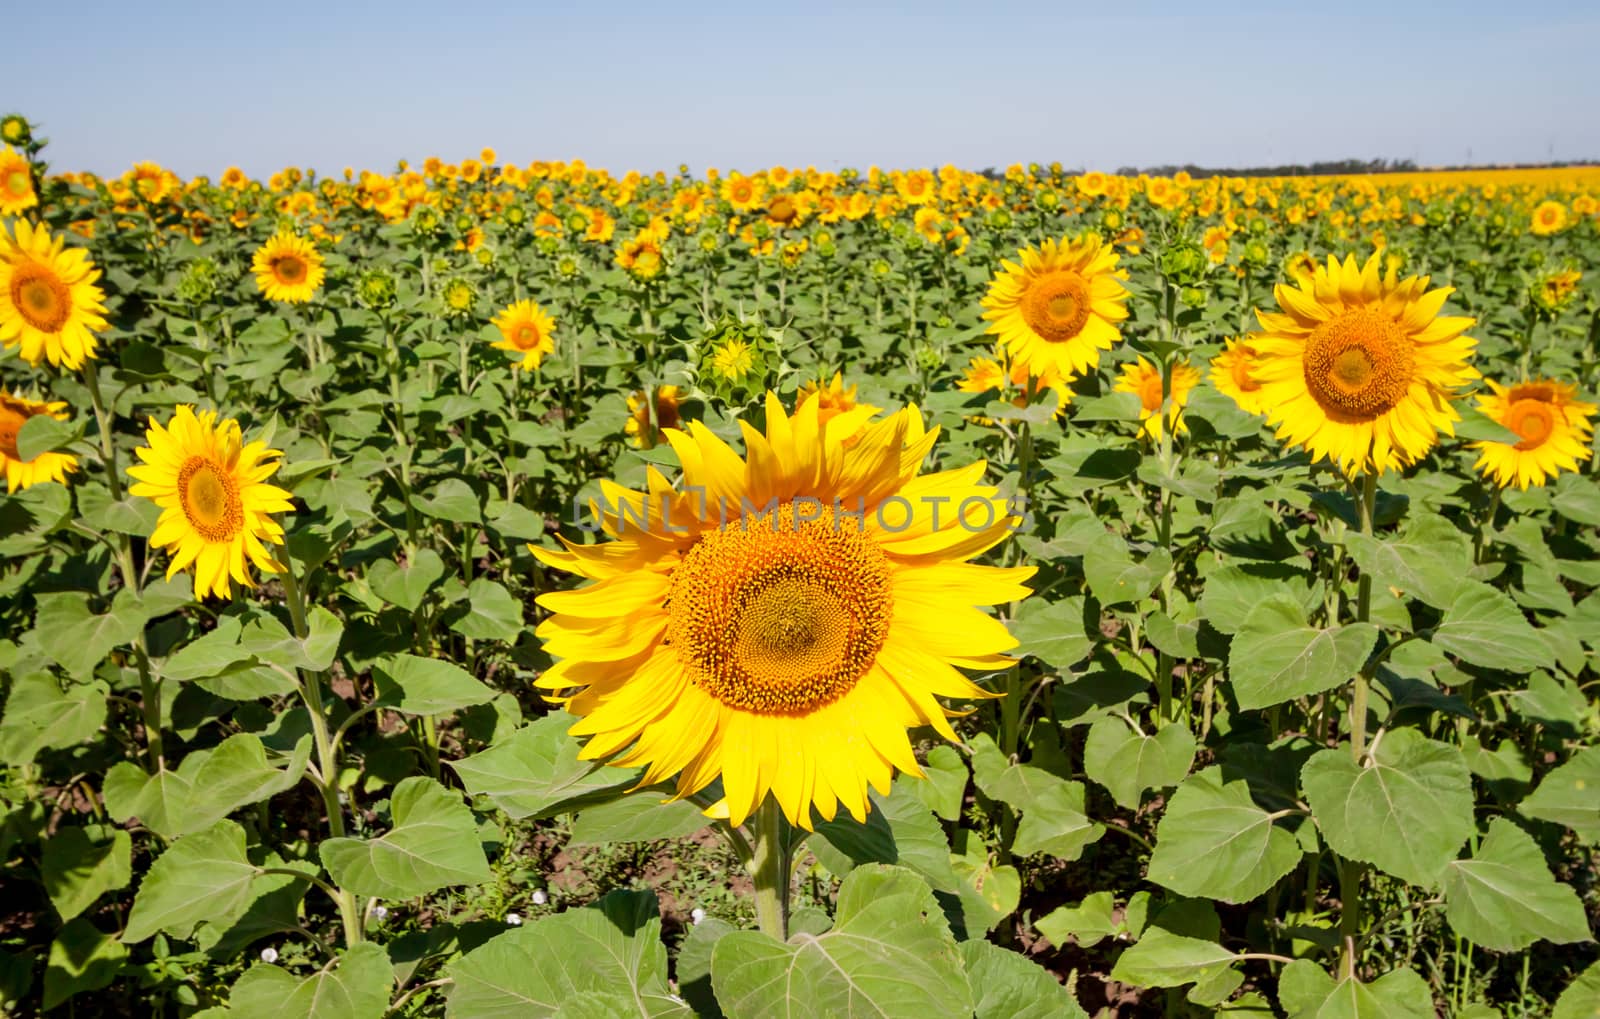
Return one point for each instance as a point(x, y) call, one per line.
point(781, 210)
point(289, 269)
point(40, 297)
point(525, 336)
point(1056, 306)
point(18, 183)
point(1533, 420)
point(210, 499)
point(1359, 365)
point(779, 614)
point(12, 418)
point(1150, 391)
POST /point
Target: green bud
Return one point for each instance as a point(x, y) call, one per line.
point(1193, 297)
point(1184, 262)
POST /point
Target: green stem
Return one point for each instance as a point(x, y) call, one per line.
point(1350, 870)
point(770, 867)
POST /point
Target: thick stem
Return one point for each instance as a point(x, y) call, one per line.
point(770, 867)
point(1350, 870)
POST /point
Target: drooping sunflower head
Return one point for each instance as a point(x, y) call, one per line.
point(16, 183)
point(288, 268)
point(19, 473)
point(50, 306)
point(781, 619)
point(1231, 373)
point(215, 503)
point(1144, 380)
point(528, 330)
point(1554, 426)
point(1552, 291)
point(643, 430)
point(1359, 367)
point(1058, 309)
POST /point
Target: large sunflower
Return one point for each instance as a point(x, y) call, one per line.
point(288, 268)
point(215, 502)
point(49, 304)
point(19, 473)
point(1057, 310)
point(1360, 368)
point(1554, 426)
point(752, 626)
point(525, 329)
point(16, 183)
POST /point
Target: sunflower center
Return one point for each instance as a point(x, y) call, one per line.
point(780, 615)
point(1533, 420)
point(781, 210)
point(1359, 365)
point(1150, 392)
point(11, 422)
point(210, 499)
point(526, 336)
point(289, 269)
point(18, 184)
point(39, 295)
point(1056, 306)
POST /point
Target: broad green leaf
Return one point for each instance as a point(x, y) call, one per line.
point(1581, 999)
point(451, 499)
point(1426, 560)
point(1164, 959)
point(1555, 705)
point(1407, 810)
point(1053, 818)
point(208, 786)
point(694, 965)
point(945, 784)
point(77, 639)
point(1232, 592)
point(1484, 627)
point(988, 893)
point(41, 713)
point(536, 772)
point(1052, 631)
point(433, 844)
point(1278, 656)
point(1129, 762)
point(642, 816)
point(613, 946)
point(1214, 842)
point(1504, 898)
point(78, 865)
point(82, 958)
point(1306, 992)
point(406, 586)
point(493, 614)
point(356, 986)
point(427, 686)
point(1570, 795)
point(204, 877)
point(1115, 577)
point(889, 954)
point(42, 433)
point(1088, 923)
point(273, 908)
point(899, 830)
point(1007, 985)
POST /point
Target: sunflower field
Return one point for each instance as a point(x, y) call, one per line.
point(480, 590)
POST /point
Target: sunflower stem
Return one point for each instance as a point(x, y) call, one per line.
point(1480, 539)
point(1350, 870)
point(770, 869)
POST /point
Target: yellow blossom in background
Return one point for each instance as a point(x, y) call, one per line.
point(16, 183)
point(288, 268)
point(642, 432)
point(50, 307)
point(1231, 374)
point(19, 473)
point(1144, 380)
point(1549, 217)
point(526, 329)
point(1057, 310)
point(215, 502)
point(1554, 426)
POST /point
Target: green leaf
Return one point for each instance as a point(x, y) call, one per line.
point(1570, 795)
point(642, 816)
point(433, 844)
point(78, 640)
point(889, 954)
point(201, 877)
point(1164, 959)
point(1306, 992)
point(1505, 898)
point(493, 614)
point(1426, 560)
point(273, 908)
point(357, 986)
point(1581, 999)
point(1088, 923)
point(427, 686)
point(1053, 819)
point(1484, 627)
point(988, 893)
point(899, 830)
point(78, 865)
point(694, 965)
point(1277, 656)
point(945, 786)
point(40, 713)
point(1214, 842)
point(1232, 592)
point(1115, 577)
point(1127, 761)
point(1006, 985)
point(1407, 810)
point(536, 772)
point(451, 499)
point(42, 433)
point(1052, 631)
point(208, 786)
point(406, 586)
point(613, 946)
point(82, 958)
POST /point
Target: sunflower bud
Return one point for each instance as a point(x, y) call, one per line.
point(1184, 263)
point(376, 289)
point(198, 284)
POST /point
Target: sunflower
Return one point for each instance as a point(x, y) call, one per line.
point(1231, 374)
point(642, 432)
point(215, 502)
point(833, 397)
point(19, 473)
point(288, 268)
point(733, 359)
point(526, 329)
point(1144, 379)
point(49, 304)
point(741, 192)
point(1360, 368)
point(1056, 311)
point(736, 630)
point(1554, 426)
point(16, 183)
point(983, 374)
point(1549, 217)
point(641, 255)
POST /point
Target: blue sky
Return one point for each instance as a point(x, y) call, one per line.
point(646, 86)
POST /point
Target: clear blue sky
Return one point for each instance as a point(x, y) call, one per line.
point(198, 86)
